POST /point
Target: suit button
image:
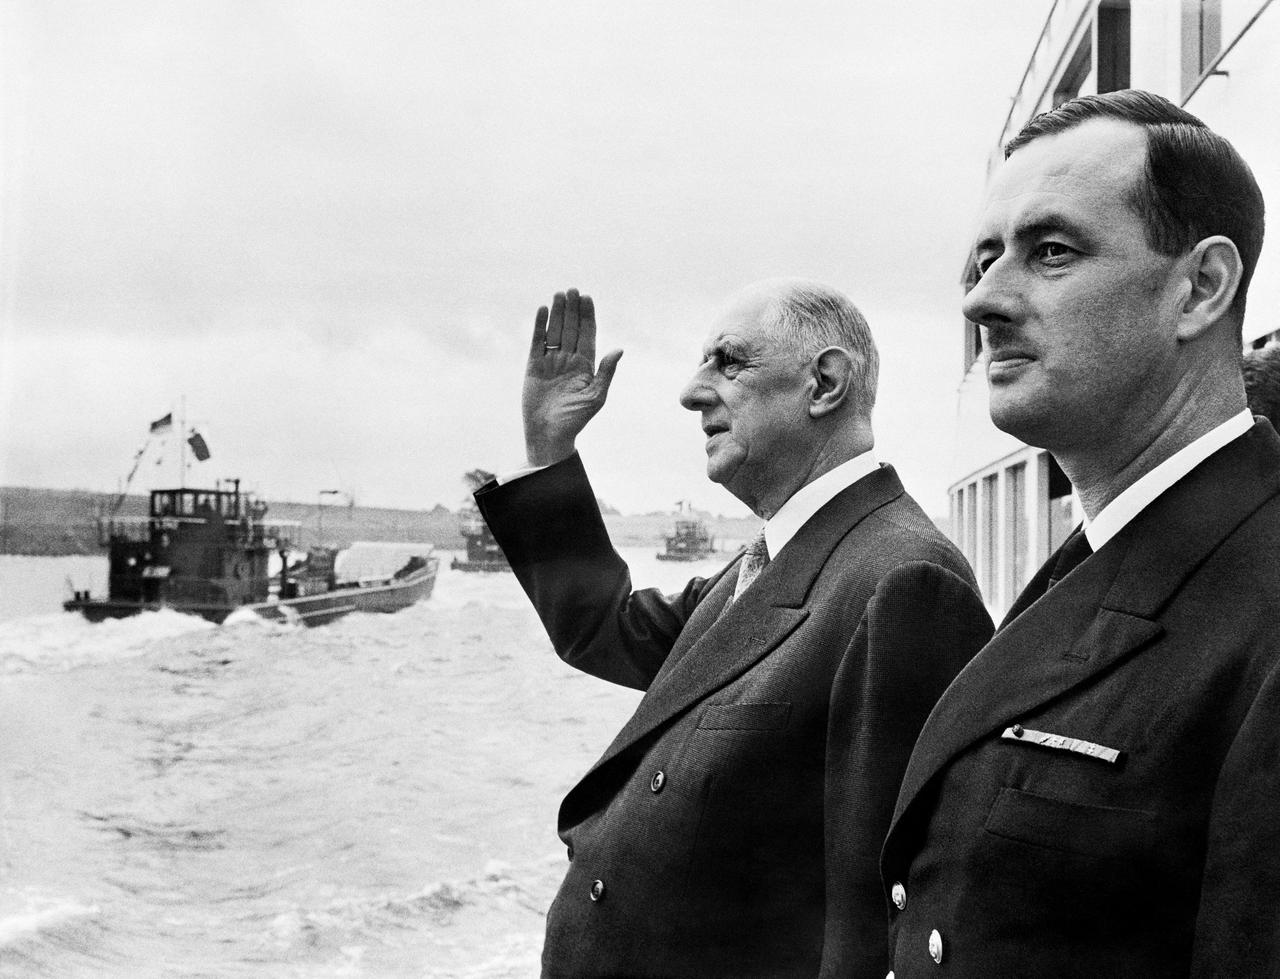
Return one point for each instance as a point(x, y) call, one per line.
point(597, 892)
point(658, 781)
point(899, 895)
point(935, 945)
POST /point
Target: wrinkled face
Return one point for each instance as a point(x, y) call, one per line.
point(1078, 313)
point(752, 392)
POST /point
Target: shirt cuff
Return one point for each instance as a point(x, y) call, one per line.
point(514, 474)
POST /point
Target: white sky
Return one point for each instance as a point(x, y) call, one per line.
point(327, 225)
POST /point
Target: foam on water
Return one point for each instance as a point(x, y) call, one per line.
point(61, 641)
point(41, 916)
point(374, 798)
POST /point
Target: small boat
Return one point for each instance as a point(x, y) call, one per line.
point(690, 541)
point(208, 553)
point(483, 552)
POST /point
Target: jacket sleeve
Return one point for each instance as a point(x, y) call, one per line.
point(549, 526)
point(1238, 926)
point(923, 624)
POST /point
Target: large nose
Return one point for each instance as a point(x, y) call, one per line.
point(993, 300)
point(698, 393)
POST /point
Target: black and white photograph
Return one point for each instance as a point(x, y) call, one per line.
point(685, 490)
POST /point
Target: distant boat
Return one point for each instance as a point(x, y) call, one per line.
point(690, 541)
point(207, 552)
point(483, 552)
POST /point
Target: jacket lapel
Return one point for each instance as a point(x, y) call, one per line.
point(757, 623)
point(1100, 614)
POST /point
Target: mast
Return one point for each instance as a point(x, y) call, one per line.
point(182, 442)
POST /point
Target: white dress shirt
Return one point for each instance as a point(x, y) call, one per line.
point(1116, 514)
point(812, 497)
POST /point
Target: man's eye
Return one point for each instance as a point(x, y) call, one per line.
point(1053, 251)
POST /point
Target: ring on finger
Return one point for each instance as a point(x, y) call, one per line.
point(551, 346)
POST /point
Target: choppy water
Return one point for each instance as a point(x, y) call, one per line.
point(371, 798)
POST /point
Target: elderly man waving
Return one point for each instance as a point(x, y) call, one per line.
point(733, 826)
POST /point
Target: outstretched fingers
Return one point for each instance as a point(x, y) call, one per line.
point(572, 313)
point(587, 330)
point(555, 323)
point(538, 344)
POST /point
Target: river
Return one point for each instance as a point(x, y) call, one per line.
point(372, 798)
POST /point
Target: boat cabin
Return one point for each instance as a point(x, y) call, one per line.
point(196, 547)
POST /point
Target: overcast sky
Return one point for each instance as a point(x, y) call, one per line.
point(327, 225)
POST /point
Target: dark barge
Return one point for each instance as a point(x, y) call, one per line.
point(208, 553)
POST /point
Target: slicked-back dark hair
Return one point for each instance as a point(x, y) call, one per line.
point(1195, 183)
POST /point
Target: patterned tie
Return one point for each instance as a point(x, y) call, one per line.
point(1073, 552)
point(754, 558)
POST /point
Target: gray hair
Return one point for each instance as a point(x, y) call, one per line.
point(810, 317)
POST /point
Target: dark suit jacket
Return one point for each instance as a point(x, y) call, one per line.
point(737, 818)
point(1164, 645)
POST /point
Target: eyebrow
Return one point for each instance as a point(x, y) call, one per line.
point(1038, 227)
point(726, 345)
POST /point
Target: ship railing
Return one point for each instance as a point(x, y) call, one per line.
point(1034, 93)
point(136, 529)
point(273, 534)
point(269, 533)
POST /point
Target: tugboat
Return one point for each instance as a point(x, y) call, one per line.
point(207, 552)
point(690, 541)
point(483, 552)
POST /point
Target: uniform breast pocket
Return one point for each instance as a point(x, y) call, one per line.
point(745, 717)
point(1072, 827)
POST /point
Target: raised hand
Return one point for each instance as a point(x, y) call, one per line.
point(563, 389)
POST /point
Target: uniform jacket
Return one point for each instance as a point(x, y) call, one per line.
point(733, 826)
point(1017, 858)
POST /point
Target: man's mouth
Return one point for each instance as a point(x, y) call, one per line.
point(711, 430)
point(1007, 362)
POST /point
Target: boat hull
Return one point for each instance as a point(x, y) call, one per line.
point(394, 595)
point(486, 567)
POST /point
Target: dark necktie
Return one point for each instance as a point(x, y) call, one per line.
point(1073, 552)
point(754, 558)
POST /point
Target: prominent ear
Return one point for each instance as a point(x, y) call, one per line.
point(831, 381)
point(1213, 270)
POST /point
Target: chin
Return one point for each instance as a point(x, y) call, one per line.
point(1025, 421)
point(722, 466)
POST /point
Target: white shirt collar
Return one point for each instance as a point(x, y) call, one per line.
point(812, 497)
point(1116, 514)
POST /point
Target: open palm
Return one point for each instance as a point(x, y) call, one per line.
point(563, 389)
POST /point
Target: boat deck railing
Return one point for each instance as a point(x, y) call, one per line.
point(271, 533)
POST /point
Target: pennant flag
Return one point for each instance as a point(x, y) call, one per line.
point(199, 448)
point(162, 424)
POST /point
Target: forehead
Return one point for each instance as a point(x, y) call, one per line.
point(1084, 176)
point(746, 320)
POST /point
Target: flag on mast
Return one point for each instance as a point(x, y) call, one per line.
point(162, 424)
point(199, 447)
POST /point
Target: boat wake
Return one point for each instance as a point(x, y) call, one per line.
point(60, 642)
